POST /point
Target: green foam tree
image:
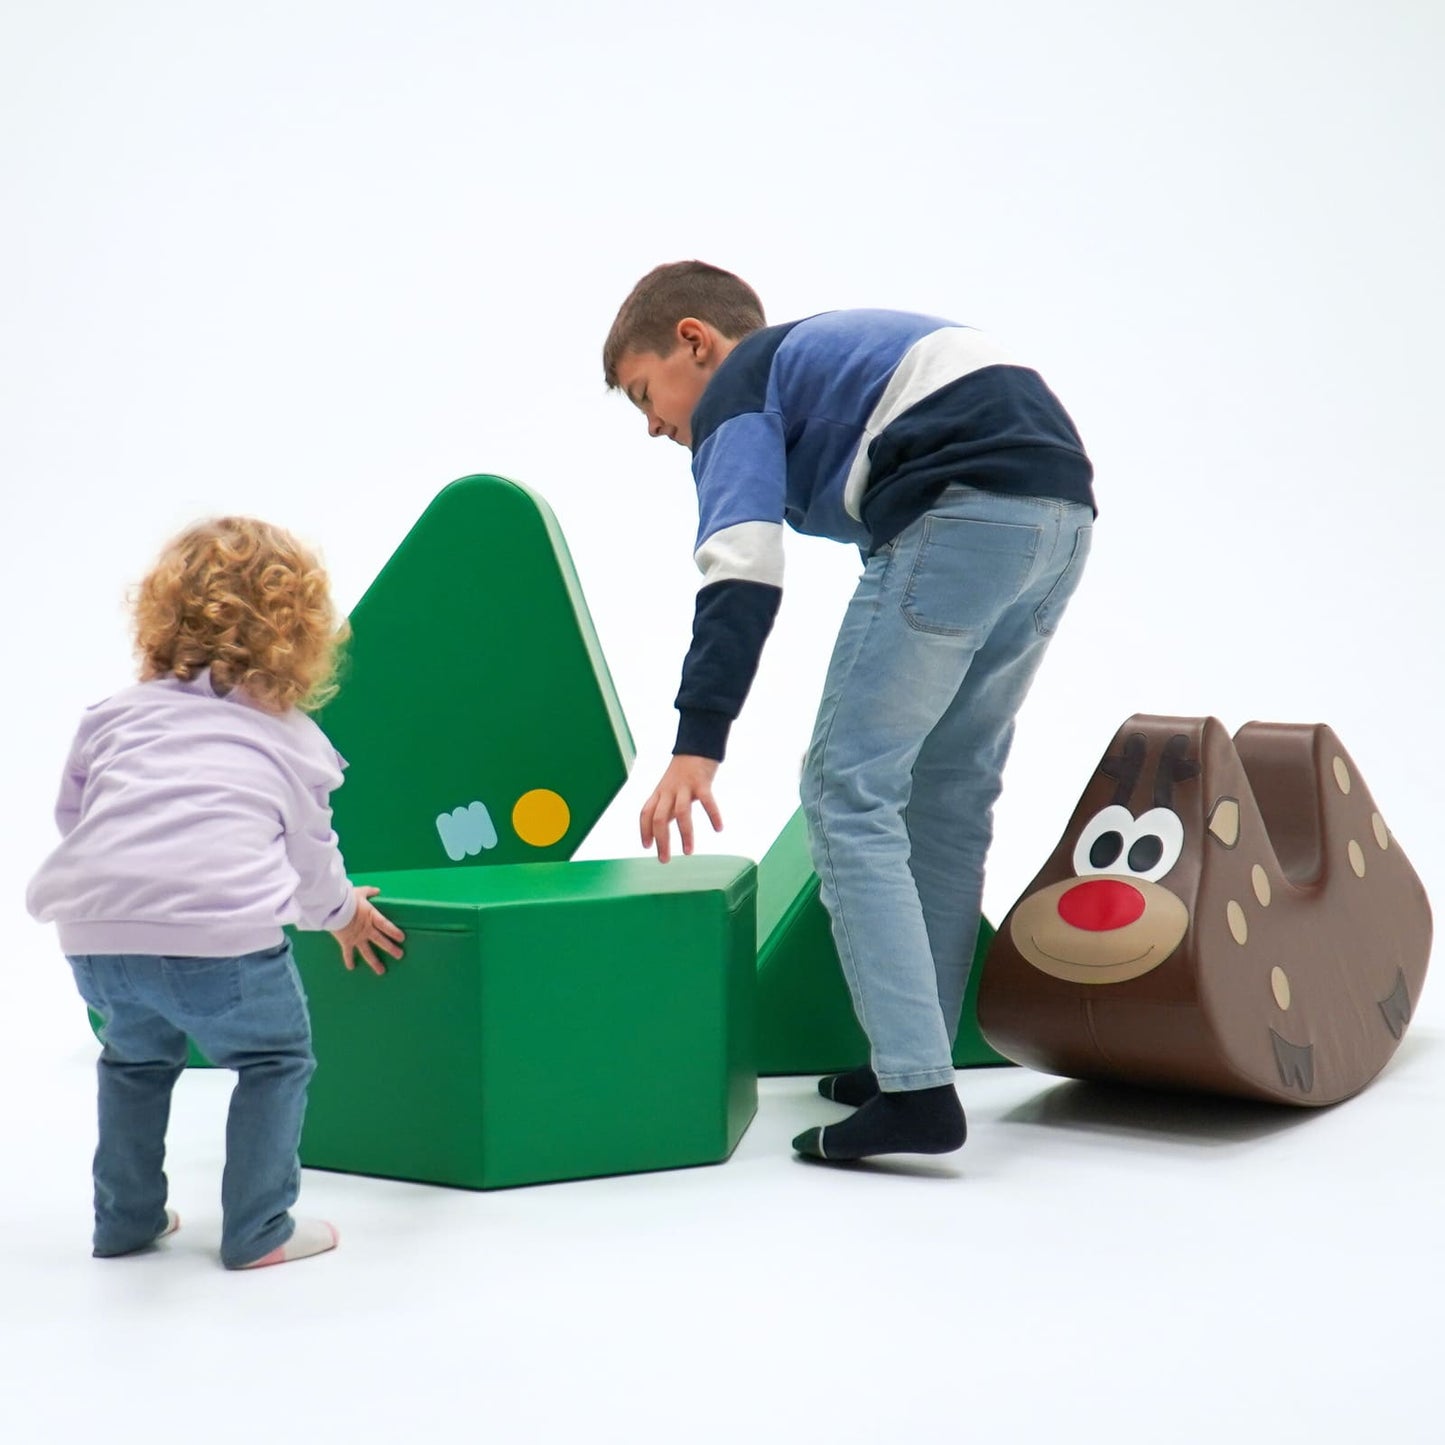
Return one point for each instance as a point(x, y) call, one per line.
point(476, 711)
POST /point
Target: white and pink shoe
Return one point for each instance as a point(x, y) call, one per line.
point(312, 1236)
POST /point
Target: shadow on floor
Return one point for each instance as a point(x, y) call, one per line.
point(1186, 1118)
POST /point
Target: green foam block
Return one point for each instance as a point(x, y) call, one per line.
point(549, 1021)
point(806, 1023)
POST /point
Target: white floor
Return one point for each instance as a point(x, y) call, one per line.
point(312, 260)
point(1095, 1265)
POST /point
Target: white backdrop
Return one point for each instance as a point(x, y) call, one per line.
point(313, 260)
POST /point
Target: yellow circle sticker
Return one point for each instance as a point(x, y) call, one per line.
point(541, 817)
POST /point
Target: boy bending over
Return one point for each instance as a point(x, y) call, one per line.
point(962, 481)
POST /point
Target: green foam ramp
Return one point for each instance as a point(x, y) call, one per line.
point(806, 1023)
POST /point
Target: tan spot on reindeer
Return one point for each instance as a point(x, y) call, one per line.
point(1357, 858)
point(1279, 986)
point(1342, 775)
point(1260, 879)
point(1238, 925)
point(1382, 833)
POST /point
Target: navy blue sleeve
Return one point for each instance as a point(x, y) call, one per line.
point(730, 625)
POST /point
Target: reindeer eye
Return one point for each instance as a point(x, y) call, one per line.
point(1101, 845)
point(1115, 841)
point(1158, 842)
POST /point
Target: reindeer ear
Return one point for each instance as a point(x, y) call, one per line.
point(1224, 821)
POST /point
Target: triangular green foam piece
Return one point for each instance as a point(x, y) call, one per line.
point(474, 682)
point(806, 1023)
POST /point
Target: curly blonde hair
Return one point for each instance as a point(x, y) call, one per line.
point(247, 600)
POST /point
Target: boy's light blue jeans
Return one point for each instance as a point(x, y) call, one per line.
point(936, 653)
point(247, 1014)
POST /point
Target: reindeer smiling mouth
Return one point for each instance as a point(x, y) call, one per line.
point(1075, 962)
point(1098, 951)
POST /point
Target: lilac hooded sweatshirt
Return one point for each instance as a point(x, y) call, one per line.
point(192, 824)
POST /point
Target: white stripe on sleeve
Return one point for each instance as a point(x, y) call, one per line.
point(746, 551)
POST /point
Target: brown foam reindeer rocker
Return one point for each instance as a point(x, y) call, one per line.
point(1222, 915)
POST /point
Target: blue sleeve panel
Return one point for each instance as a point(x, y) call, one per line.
point(741, 471)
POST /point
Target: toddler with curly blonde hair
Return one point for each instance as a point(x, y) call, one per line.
point(195, 823)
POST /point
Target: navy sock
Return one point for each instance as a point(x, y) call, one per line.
point(918, 1121)
point(851, 1087)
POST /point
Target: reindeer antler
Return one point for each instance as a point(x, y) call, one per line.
point(1126, 768)
point(1173, 768)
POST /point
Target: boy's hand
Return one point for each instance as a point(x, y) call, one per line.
point(688, 780)
point(368, 926)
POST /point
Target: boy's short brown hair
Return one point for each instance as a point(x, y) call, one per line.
point(648, 318)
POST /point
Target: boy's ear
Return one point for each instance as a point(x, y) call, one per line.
point(698, 337)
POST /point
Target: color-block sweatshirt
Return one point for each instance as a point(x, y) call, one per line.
point(846, 425)
point(192, 824)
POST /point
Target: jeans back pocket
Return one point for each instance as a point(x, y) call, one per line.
point(202, 988)
point(966, 572)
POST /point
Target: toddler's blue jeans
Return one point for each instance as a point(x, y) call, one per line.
point(247, 1014)
point(936, 653)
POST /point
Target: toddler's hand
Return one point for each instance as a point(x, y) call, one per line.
point(368, 926)
point(688, 780)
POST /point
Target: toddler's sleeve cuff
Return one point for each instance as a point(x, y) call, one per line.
point(342, 914)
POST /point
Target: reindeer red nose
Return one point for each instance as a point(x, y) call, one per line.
point(1101, 904)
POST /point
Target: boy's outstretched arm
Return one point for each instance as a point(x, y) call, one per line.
point(688, 780)
point(740, 466)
